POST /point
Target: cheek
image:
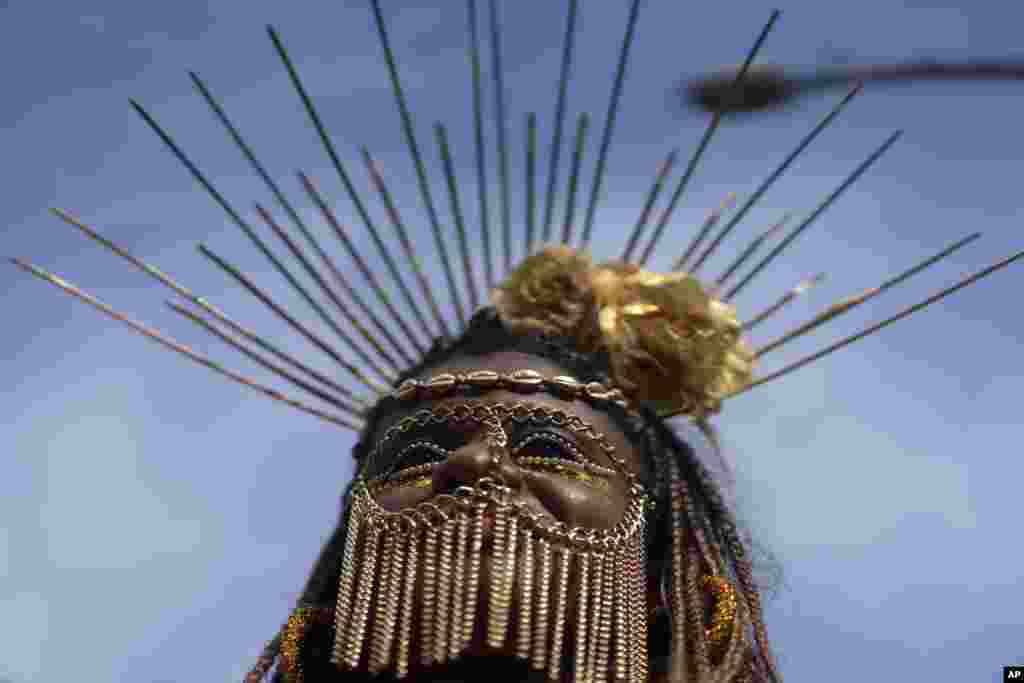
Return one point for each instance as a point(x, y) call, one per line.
point(577, 503)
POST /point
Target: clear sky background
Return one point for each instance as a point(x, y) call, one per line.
point(158, 522)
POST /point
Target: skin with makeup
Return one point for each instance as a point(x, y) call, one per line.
point(561, 476)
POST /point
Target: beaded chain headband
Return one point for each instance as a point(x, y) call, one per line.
point(673, 340)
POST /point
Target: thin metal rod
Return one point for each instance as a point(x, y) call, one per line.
point(613, 110)
point(751, 249)
point(297, 326)
point(260, 360)
point(251, 234)
point(421, 174)
point(460, 225)
point(298, 222)
point(346, 241)
point(179, 289)
point(910, 310)
point(779, 170)
point(501, 124)
point(403, 237)
point(848, 304)
point(709, 224)
point(341, 306)
point(481, 150)
point(556, 141)
point(709, 133)
point(531, 181)
point(178, 347)
point(664, 169)
point(353, 195)
point(781, 246)
point(574, 178)
point(786, 299)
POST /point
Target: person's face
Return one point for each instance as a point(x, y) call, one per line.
point(462, 457)
point(559, 475)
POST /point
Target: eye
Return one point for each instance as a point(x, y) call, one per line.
point(554, 453)
point(417, 454)
point(547, 445)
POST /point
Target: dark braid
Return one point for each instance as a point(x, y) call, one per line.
point(707, 514)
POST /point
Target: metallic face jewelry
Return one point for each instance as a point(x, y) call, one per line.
point(567, 581)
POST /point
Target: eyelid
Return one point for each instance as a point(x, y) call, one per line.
point(561, 441)
point(419, 444)
point(579, 454)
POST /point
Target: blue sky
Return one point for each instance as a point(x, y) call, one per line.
point(158, 521)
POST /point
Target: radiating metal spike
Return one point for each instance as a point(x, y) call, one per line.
point(421, 174)
point(500, 123)
point(709, 224)
point(180, 348)
point(353, 195)
point(910, 310)
point(250, 233)
point(801, 287)
point(574, 178)
point(377, 176)
point(652, 196)
point(349, 408)
point(296, 325)
point(750, 250)
point(702, 146)
point(531, 181)
point(556, 141)
point(845, 305)
point(779, 248)
point(357, 257)
point(774, 175)
point(202, 303)
point(298, 222)
point(609, 126)
point(481, 150)
point(460, 224)
point(339, 304)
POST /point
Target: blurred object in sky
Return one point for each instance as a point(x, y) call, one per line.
point(771, 87)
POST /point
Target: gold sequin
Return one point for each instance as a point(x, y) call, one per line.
point(723, 613)
point(291, 640)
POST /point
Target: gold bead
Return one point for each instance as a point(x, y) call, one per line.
point(526, 380)
point(566, 384)
point(483, 379)
point(407, 390)
point(439, 385)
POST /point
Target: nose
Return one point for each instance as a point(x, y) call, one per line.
point(473, 461)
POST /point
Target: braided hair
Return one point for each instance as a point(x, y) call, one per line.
point(695, 502)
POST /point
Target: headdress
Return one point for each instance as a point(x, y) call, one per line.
point(674, 343)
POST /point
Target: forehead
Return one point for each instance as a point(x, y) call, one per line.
point(506, 361)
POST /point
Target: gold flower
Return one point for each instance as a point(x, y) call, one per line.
point(547, 293)
point(670, 343)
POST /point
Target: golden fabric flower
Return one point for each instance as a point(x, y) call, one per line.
point(670, 343)
point(547, 293)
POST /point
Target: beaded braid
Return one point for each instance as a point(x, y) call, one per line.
point(709, 520)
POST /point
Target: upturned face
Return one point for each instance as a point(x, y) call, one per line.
point(577, 477)
point(461, 455)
